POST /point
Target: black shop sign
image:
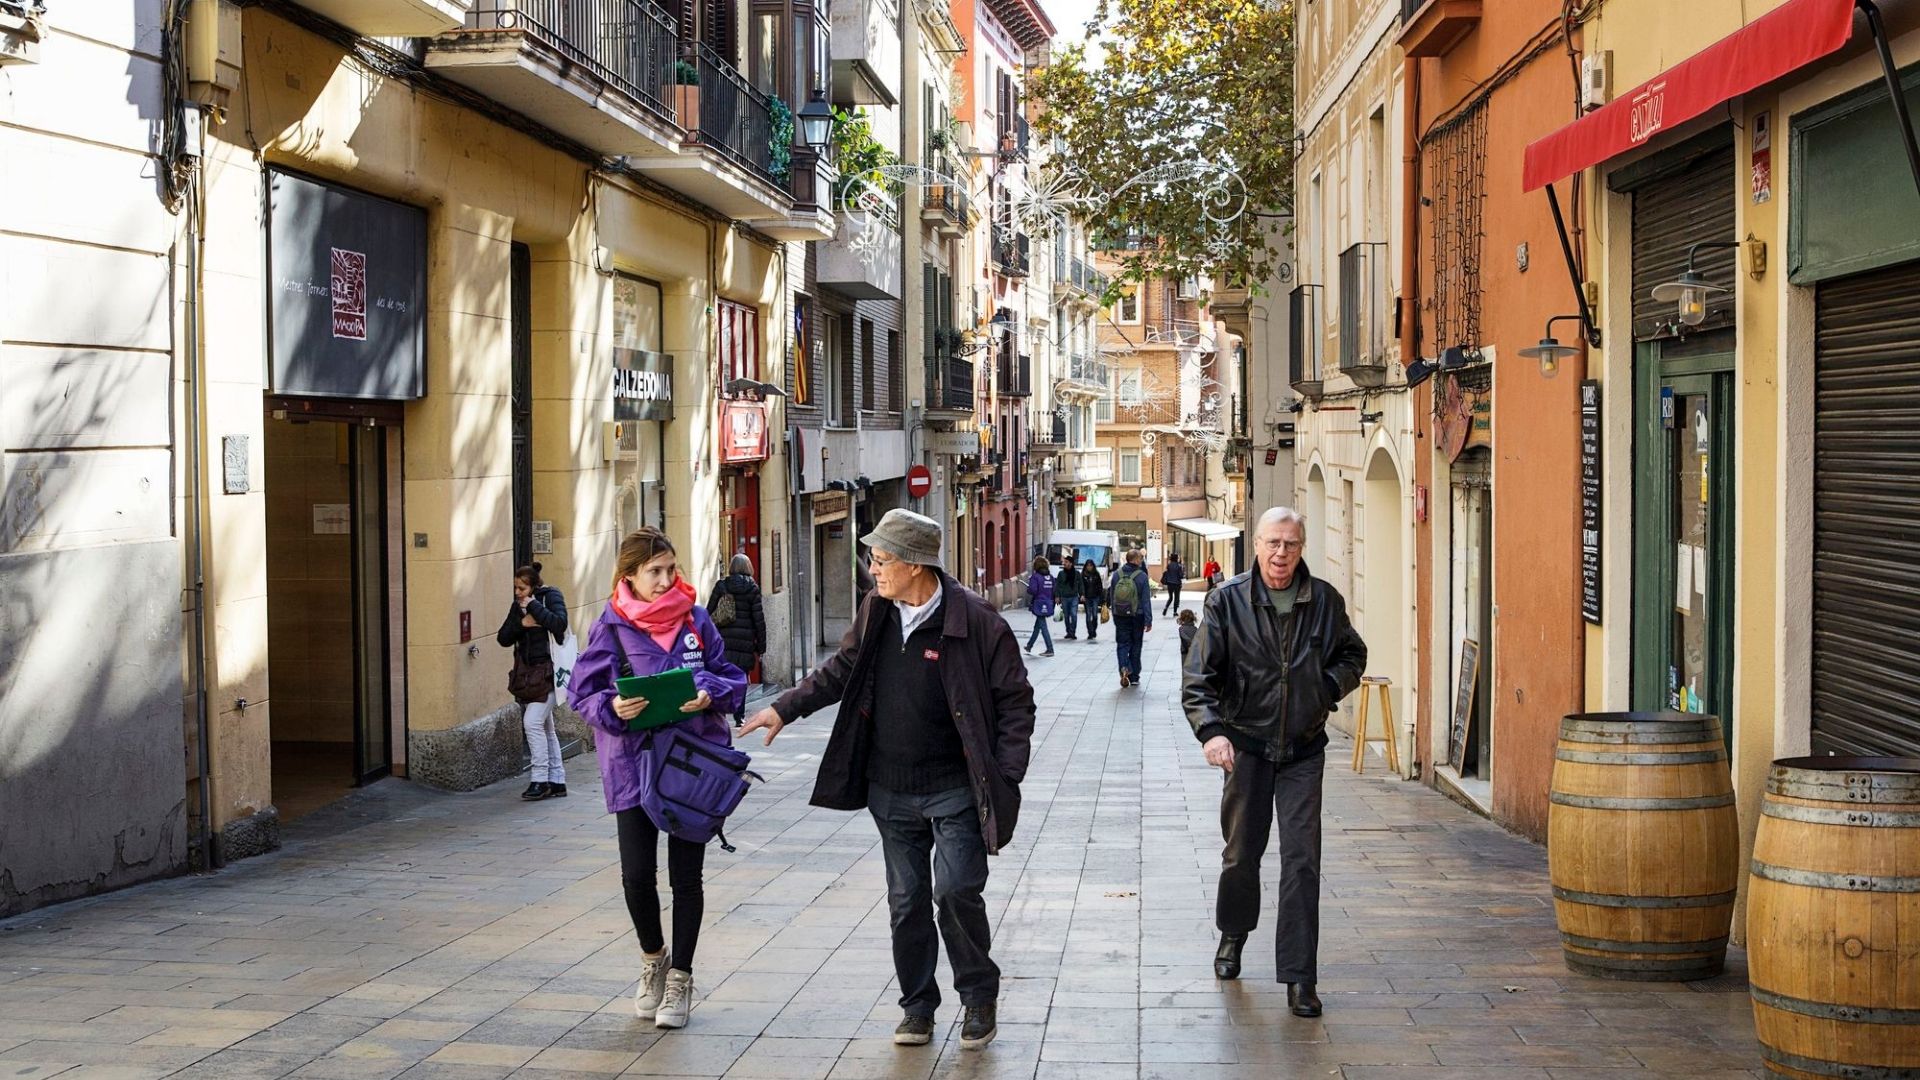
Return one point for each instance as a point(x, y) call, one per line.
point(1590, 500)
point(642, 385)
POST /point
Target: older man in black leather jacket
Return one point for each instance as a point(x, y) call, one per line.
point(1274, 655)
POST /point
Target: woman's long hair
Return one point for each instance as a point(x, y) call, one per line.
point(641, 547)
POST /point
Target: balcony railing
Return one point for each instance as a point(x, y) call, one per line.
point(1010, 254)
point(631, 44)
point(735, 118)
point(1013, 140)
point(1015, 374)
point(1364, 313)
point(1306, 332)
point(950, 383)
point(944, 204)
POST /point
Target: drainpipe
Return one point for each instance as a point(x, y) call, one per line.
point(1410, 335)
point(196, 548)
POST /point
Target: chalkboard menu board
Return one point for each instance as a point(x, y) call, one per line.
point(1590, 500)
point(1463, 703)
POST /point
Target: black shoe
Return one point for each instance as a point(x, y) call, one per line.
point(1302, 1000)
point(913, 1031)
point(556, 791)
point(977, 1027)
point(535, 792)
point(1226, 962)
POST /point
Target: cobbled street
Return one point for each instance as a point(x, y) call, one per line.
point(409, 932)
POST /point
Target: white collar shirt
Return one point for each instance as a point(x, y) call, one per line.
point(912, 618)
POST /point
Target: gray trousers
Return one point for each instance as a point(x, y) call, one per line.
point(1257, 793)
point(947, 828)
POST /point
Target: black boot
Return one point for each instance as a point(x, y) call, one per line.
point(535, 791)
point(556, 791)
point(1226, 962)
point(1302, 1000)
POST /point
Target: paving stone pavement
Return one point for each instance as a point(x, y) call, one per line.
point(432, 936)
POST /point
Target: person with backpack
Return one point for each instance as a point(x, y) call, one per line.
point(1093, 592)
point(652, 625)
point(1066, 589)
point(932, 737)
point(1173, 576)
point(1040, 603)
point(535, 621)
point(1130, 596)
point(737, 609)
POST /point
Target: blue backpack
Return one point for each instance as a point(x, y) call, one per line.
point(1040, 594)
point(688, 786)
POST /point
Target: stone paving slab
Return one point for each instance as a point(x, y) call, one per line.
point(411, 933)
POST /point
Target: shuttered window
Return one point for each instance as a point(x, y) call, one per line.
point(1670, 214)
point(1866, 515)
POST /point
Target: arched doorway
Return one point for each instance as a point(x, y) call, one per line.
point(1383, 582)
point(1316, 512)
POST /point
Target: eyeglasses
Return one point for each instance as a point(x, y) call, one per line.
point(1282, 545)
point(878, 563)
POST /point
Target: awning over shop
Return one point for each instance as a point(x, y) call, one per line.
point(1205, 528)
point(1789, 37)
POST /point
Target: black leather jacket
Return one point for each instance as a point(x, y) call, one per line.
point(1235, 686)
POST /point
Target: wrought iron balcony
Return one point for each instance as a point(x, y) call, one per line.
point(1365, 313)
point(1014, 373)
point(950, 378)
point(944, 206)
point(1011, 255)
point(1306, 332)
point(598, 71)
point(735, 118)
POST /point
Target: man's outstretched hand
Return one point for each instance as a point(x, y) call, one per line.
point(766, 718)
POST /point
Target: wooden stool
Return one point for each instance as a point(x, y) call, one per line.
point(1367, 684)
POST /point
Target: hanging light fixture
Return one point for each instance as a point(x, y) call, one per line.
point(1690, 292)
point(816, 121)
point(1550, 352)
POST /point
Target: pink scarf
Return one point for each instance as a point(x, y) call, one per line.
point(662, 618)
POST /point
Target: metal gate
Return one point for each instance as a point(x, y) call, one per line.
point(1866, 515)
point(1672, 211)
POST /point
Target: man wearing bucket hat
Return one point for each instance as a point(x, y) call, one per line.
point(931, 737)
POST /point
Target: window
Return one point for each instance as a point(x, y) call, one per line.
point(1126, 310)
point(1188, 289)
point(1129, 392)
point(869, 367)
point(739, 344)
point(1130, 466)
point(636, 314)
point(896, 374)
point(839, 374)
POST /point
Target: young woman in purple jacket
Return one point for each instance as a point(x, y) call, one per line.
point(654, 623)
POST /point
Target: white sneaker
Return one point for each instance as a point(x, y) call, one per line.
point(653, 985)
point(677, 1002)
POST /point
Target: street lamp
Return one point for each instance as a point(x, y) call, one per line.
point(1550, 352)
point(816, 121)
point(1689, 291)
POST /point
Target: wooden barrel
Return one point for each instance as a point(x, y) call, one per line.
point(1833, 918)
point(1643, 845)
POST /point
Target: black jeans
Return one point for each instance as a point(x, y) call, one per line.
point(1129, 631)
point(947, 827)
point(1257, 792)
point(639, 866)
point(1173, 599)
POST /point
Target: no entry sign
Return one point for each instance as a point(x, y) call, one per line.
point(919, 481)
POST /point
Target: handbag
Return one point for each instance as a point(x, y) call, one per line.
point(565, 655)
point(1106, 614)
point(530, 683)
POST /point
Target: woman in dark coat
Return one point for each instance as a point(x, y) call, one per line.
point(536, 619)
point(746, 634)
point(1066, 588)
point(1094, 589)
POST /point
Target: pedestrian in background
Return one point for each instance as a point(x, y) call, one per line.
point(1040, 603)
point(1189, 629)
point(1130, 595)
point(738, 610)
point(1173, 576)
point(932, 737)
point(1211, 574)
point(654, 625)
point(536, 619)
point(1274, 656)
point(1093, 597)
point(1066, 589)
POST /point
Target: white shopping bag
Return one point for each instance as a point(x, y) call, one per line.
point(564, 656)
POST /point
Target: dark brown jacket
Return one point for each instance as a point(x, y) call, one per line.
point(986, 684)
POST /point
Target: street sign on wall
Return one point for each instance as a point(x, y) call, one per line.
point(954, 443)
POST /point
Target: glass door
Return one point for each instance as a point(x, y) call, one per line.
point(1683, 537)
point(372, 705)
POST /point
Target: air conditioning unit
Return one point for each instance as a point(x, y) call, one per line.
point(212, 51)
point(1596, 79)
point(1188, 289)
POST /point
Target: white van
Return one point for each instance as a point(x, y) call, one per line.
point(1100, 545)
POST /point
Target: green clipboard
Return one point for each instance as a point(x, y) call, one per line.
point(665, 693)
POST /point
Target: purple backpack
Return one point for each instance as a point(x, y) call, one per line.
point(688, 785)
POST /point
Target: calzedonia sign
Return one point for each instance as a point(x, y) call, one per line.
point(642, 385)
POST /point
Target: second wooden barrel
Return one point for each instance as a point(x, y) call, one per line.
point(1643, 845)
point(1833, 918)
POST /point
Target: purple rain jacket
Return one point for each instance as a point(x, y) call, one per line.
point(591, 692)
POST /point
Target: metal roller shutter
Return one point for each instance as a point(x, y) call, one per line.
point(1670, 214)
point(1866, 515)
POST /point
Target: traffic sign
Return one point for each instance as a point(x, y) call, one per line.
point(919, 481)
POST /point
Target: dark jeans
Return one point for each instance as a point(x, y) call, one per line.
point(1173, 599)
point(1129, 631)
point(639, 865)
point(1070, 613)
point(1257, 792)
point(1040, 632)
point(947, 827)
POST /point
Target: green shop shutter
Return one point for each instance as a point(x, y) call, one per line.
point(1866, 515)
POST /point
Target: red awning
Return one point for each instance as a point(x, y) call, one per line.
point(1790, 36)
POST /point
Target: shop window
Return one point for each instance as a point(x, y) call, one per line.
point(636, 314)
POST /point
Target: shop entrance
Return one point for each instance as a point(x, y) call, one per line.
point(333, 600)
point(1683, 527)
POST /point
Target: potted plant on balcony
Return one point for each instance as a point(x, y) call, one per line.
point(780, 142)
point(860, 157)
point(686, 94)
